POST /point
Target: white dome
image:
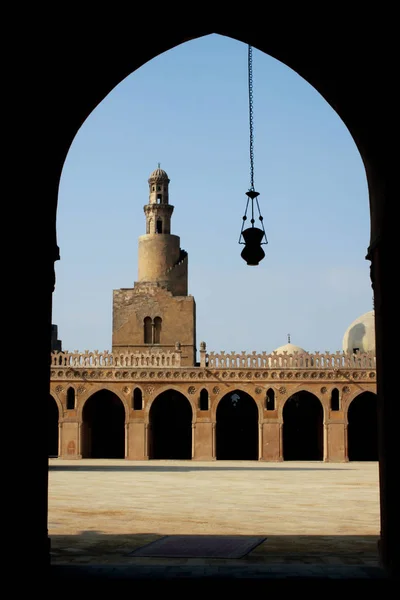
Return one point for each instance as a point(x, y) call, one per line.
point(361, 334)
point(290, 349)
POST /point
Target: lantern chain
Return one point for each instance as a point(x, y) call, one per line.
point(252, 195)
point(250, 71)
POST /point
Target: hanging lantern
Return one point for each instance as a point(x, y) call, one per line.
point(252, 237)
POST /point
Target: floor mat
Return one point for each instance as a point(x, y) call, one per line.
point(200, 546)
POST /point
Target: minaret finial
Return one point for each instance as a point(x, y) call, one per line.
point(288, 338)
point(159, 165)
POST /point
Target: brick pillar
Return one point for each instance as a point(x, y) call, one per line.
point(336, 444)
point(271, 444)
point(136, 434)
point(70, 442)
point(203, 441)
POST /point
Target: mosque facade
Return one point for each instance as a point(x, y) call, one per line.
point(149, 398)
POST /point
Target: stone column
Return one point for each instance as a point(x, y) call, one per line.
point(80, 439)
point(325, 441)
point(214, 441)
point(346, 442)
point(126, 451)
point(59, 438)
point(193, 439)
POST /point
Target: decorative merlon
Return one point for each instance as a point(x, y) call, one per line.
point(113, 359)
point(339, 360)
point(337, 363)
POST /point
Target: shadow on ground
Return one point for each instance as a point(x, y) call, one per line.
point(148, 468)
point(96, 562)
point(94, 547)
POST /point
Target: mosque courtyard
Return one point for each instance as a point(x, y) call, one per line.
point(109, 511)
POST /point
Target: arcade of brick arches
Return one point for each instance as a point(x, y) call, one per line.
point(155, 396)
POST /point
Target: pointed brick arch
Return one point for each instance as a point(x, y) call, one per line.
point(362, 428)
point(170, 426)
point(103, 426)
point(303, 418)
point(237, 427)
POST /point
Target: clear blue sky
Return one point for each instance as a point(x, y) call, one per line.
point(188, 110)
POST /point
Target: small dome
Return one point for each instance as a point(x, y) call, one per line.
point(159, 175)
point(360, 335)
point(290, 349)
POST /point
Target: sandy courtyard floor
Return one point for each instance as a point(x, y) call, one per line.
point(101, 510)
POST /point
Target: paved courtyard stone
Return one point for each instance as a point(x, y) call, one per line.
point(310, 512)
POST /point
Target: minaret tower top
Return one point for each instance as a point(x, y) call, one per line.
point(161, 260)
point(158, 184)
point(158, 211)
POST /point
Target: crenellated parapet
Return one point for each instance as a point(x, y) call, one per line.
point(234, 367)
point(317, 360)
point(113, 359)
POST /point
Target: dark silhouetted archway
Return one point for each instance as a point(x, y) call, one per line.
point(303, 417)
point(103, 427)
point(363, 428)
point(52, 427)
point(356, 86)
point(237, 427)
point(170, 432)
